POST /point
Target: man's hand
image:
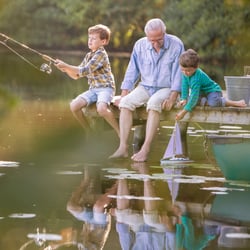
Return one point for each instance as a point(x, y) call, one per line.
point(169, 103)
point(116, 100)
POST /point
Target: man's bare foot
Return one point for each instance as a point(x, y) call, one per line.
point(139, 165)
point(141, 156)
point(119, 154)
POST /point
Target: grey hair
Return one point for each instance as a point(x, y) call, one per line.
point(155, 24)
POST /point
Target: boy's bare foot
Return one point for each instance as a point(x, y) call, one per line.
point(241, 103)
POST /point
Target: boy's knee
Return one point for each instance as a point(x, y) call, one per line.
point(73, 107)
point(214, 99)
point(77, 104)
point(102, 109)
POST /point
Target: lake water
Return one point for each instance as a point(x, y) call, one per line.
point(50, 173)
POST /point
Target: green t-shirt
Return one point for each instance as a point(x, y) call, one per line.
point(196, 85)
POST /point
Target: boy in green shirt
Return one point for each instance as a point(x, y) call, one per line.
point(197, 87)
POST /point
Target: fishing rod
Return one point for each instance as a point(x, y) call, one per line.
point(44, 67)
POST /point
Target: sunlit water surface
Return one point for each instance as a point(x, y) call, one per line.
point(49, 168)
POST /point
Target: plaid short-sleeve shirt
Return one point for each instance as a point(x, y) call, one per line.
point(96, 67)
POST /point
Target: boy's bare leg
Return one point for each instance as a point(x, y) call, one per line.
point(76, 107)
point(151, 128)
point(125, 122)
point(108, 115)
point(240, 103)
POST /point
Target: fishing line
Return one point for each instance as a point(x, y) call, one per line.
point(44, 67)
point(19, 55)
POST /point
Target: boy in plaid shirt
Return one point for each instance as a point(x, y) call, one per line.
point(96, 67)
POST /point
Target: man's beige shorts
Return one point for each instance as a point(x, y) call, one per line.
point(140, 97)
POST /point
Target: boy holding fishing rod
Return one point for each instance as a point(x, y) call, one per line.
point(96, 67)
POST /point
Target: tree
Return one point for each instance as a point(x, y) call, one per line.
point(33, 22)
point(52, 21)
point(217, 29)
point(207, 26)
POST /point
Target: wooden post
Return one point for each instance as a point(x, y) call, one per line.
point(139, 137)
point(183, 129)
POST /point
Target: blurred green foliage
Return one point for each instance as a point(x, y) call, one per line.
point(218, 30)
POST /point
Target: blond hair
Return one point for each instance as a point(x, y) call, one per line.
point(103, 31)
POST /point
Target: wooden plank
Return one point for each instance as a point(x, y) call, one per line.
point(225, 115)
point(229, 115)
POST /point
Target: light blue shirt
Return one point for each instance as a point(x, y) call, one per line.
point(151, 69)
point(148, 240)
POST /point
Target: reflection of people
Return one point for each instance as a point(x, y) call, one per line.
point(146, 229)
point(190, 232)
point(91, 209)
point(96, 67)
point(200, 86)
point(155, 61)
point(186, 237)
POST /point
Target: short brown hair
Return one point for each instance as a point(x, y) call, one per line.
point(189, 58)
point(102, 30)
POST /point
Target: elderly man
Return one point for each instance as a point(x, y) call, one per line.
point(154, 65)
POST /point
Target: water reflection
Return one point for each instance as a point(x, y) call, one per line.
point(158, 220)
point(127, 206)
point(59, 191)
point(86, 204)
point(183, 216)
point(140, 223)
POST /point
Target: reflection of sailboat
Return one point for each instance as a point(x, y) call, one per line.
point(172, 185)
point(174, 151)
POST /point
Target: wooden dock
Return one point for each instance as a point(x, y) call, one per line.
point(218, 115)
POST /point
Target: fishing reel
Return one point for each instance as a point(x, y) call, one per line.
point(46, 68)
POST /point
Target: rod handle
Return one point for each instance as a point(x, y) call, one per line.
point(48, 58)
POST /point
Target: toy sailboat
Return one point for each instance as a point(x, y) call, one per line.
point(174, 151)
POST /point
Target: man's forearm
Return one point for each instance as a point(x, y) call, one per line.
point(173, 96)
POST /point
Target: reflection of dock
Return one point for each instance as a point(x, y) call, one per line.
point(228, 115)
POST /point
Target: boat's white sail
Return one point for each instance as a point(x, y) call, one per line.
point(174, 146)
